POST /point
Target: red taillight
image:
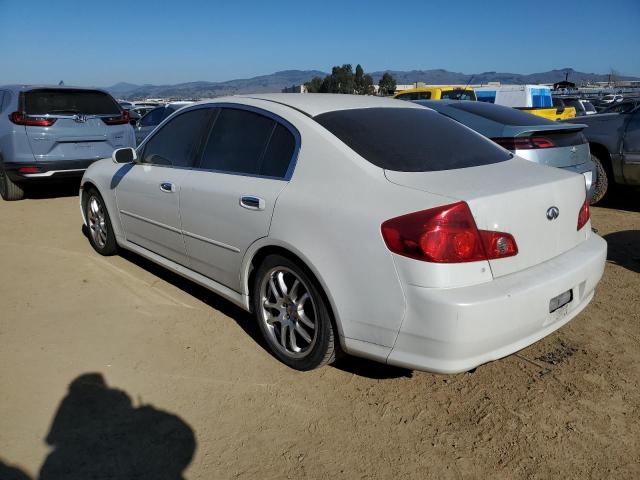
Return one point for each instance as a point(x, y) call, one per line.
point(446, 234)
point(30, 169)
point(120, 120)
point(583, 214)
point(523, 143)
point(20, 118)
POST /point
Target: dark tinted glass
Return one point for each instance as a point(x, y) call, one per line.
point(154, 117)
point(41, 102)
point(411, 139)
point(279, 153)
point(237, 142)
point(414, 96)
point(500, 114)
point(177, 142)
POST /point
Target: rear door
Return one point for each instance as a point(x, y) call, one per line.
point(631, 142)
point(227, 203)
point(148, 192)
point(80, 131)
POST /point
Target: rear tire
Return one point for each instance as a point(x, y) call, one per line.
point(293, 315)
point(602, 182)
point(100, 231)
point(9, 190)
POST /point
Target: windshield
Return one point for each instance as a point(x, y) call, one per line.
point(67, 101)
point(501, 114)
point(411, 139)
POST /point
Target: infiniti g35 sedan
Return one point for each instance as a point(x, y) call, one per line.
point(364, 225)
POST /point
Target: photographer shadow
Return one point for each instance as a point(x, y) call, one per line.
point(98, 433)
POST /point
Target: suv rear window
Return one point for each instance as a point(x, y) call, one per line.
point(411, 139)
point(68, 101)
point(501, 114)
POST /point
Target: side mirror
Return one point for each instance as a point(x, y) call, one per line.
point(124, 155)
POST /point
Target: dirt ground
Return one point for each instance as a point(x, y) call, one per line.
point(116, 368)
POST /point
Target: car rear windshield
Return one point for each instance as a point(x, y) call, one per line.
point(63, 101)
point(458, 94)
point(501, 114)
point(411, 139)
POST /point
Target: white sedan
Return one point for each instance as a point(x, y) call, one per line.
point(354, 224)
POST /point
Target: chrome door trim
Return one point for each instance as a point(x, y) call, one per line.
point(212, 242)
point(152, 222)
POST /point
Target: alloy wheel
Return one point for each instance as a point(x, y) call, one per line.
point(97, 221)
point(289, 312)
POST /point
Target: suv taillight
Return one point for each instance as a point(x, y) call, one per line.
point(446, 234)
point(524, 143)
point(583, 214)
point(19, 118)
point(119, 120)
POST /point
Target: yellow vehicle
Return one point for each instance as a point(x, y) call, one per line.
point(437, 93)
point(551, 113)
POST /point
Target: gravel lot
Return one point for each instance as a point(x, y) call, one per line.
point(116, 368)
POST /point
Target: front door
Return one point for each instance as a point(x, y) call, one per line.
point(148, 193)
point(227, 203)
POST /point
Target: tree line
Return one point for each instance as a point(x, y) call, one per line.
point(342, 79)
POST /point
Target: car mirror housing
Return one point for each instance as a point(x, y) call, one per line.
point(124, 155)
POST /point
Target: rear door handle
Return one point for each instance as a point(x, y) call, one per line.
point(167, 187)
point(252, 203)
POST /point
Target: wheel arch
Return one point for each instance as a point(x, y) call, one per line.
point(602, 152)
point(267, 246)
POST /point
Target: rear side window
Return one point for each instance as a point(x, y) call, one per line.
point(411, 140)
point(501, 114)
point(414, 96)
point(177, 143)
point(248, 143)
point(68, 101)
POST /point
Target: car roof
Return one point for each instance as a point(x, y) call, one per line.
point(313, 104)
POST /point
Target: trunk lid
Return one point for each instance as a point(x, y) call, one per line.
point(513, 197)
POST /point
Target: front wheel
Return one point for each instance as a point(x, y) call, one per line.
point(293, 315)
point(602, 182)
point(101, 235)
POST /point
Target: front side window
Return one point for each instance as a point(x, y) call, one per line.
point(248, 143)
point(154, 117)
point(177, 143)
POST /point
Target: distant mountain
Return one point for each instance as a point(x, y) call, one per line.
point(275, 82)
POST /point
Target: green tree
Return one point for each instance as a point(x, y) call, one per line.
point(367, 85)
point(387, 84)
point(314, 85)
point(340, 81)
point(358, 80)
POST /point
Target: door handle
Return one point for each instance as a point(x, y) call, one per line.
point(252, 203)
point(167, 187)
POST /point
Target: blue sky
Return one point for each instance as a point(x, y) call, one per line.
point(141, 41)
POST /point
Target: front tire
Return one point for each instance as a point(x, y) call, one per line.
point(100, 231)
point(602, 182)
point(293, 315)
point(9, 190)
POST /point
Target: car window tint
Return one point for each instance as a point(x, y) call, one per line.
point(64, 101)
point(237, 142)
point(154, 117)
point(411, 139)
point(501, 114)
point(458, 94)
point(178, 141)
point(279, 154)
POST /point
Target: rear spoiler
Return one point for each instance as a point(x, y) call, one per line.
point(524, 130)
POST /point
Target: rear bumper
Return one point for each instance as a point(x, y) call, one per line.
point(47, 171)
point(454, 330)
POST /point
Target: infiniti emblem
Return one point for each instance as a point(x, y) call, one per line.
point(553, 213)
point(80, 117)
